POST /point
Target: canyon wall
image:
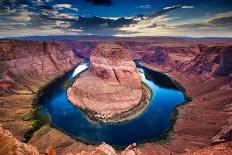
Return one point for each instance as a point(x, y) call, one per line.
point(25, 67)
point(206, 120)
point(24, 61)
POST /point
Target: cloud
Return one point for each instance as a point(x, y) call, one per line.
point(221, 20)
point(172, 7)
point(152, 25)
point(41, 15)
point(178, 6)
point(96, 24)
point(147, 6)
point(22, 16)
point(164, 11)
point(187, 7)
point(65, 6)
point(100, 2)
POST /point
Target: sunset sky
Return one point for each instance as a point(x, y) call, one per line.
point(193, 18)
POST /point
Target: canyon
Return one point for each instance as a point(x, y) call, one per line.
point(202, 67)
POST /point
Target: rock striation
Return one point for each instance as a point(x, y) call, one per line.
point(111, 85)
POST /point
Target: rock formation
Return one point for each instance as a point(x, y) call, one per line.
point(112, 84)
point(9, 145)
point(225, 134)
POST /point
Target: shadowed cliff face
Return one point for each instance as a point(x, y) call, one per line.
point(83, 48)
point(215, 60)
point(112, 84)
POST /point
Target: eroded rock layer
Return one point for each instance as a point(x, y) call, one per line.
point(111, 85)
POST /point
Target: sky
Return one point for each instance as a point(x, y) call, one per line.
point(192, 18)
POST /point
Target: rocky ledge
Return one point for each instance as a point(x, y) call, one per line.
point(110, 90)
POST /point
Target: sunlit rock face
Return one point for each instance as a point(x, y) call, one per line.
point(111, 85)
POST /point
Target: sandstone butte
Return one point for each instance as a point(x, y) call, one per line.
point(111, 85)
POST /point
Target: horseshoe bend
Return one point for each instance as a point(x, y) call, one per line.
point(111, 86)
point(39, 114)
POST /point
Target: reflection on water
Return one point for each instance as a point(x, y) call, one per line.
point(149, 125)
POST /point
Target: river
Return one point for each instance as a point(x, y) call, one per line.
point(150, 125)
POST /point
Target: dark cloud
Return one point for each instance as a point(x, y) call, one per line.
point(100, 2)
point(90, 23)
point(45, 7)
point(100, 22)
point(221, 21)
point(33, 5)
point(152, 25)
point(164, 11)
point(192, 25)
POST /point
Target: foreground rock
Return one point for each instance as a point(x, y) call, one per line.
point(111, 86)
point(9, 145)
point(221, 149)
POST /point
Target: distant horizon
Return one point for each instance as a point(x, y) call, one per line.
point(79, 36)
